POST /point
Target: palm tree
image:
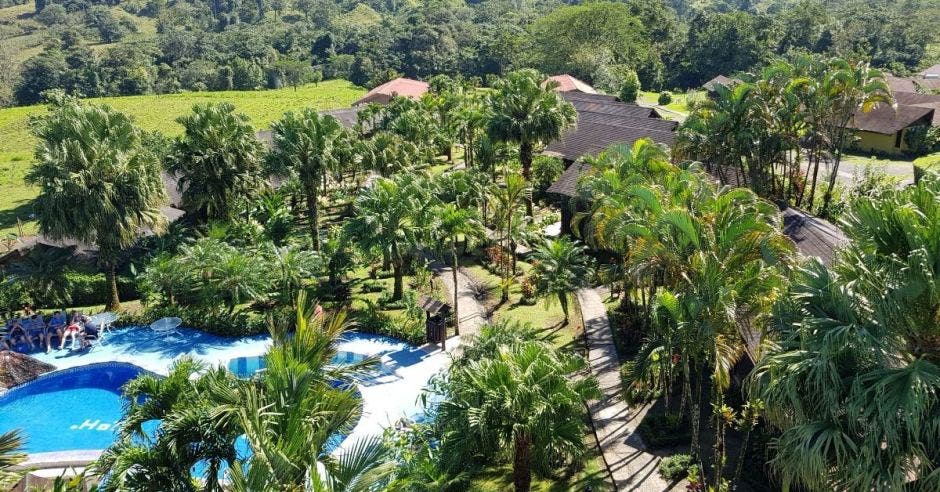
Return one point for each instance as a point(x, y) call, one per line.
point(387, 153)
point(561, 267)
point(528, 111)
point(98, 183)
point(309, 145)
point(450, 222)
point(848, 88)
point(391, 217)
point(508, 197)
point(217, 160)
point(854, 383)
point(10, 455)
point(526, 401)
point(303, 401)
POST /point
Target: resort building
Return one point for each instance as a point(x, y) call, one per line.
point(401, 86)
point(884, 129)
point(568, 83)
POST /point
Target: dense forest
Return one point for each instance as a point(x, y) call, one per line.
point(116, 47)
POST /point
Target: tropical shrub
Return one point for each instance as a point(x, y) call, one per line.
point(665, 97)
point(545, 171)
point(925, 164)
point(662, 430)
point(630, 87)
point(88, 289)
point(675, 467)
point(220, 323)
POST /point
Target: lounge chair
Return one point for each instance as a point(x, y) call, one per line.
point(166, 326)
point(104, 322)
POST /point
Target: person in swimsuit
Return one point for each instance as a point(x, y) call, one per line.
point(74, 329)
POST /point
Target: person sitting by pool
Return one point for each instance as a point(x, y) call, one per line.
point(36, 330)
point(74, 329)
point(16, 333)
point(5, 342)
point(56, 326)
point(89, 333)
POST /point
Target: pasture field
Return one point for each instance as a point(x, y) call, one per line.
point(150, 112)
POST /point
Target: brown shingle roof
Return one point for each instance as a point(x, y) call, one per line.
point(889, 120)
point(401, 86)
point(934, 70)
point(590, 138)
point(900, 84)
point(928, 85)
point(720, 80)
point(609, 106)
point(922, 100)
point(567, 183)
point(567, 83)
point(814, 237)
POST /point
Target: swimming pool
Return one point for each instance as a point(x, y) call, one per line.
point(72, 409)
point(245, 367)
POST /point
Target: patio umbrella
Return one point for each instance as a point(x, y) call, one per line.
point(16, 369)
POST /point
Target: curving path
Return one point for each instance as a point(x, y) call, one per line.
point(632, 467)
point(471, 311)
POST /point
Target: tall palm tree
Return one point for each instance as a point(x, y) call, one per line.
point(528, 111)
point(392, 217)
point(451, 222)
point(98, 183)
point(854, 383)
point(217, 160)
point(508, 197)
point(387, 153)
point(848, 88)
point(525, 401)
point(309, 145)
point(561, 267)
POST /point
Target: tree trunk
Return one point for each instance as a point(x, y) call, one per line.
point(454, 266)
point(812, 188)
point(836, 160)
point(522, 463)
point(563, 300)
point(114, 303)
point(313, 213)
point(525, 158)
point(397, 270)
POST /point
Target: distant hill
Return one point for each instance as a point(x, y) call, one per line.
point(152, 112)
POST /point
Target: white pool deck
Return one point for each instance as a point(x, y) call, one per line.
point(389, 396)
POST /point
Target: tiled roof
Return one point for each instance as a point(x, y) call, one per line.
point(401, 86)
point(603, 105)
point(814, 237)
point(568, 83)
point(889, 120)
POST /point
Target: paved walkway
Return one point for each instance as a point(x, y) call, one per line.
point(632, 467)
point(471, 311)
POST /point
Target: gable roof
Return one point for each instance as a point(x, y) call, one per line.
point(567, 83)
point(567, 183)
point(720, 80)
point(889, 120)
point(401, 86)
point(900, 84)
point(921, 100)
point(595, 133)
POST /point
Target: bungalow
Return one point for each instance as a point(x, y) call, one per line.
point(401, 86)
point(602, 121)
point(711, 85)
point(883, 130)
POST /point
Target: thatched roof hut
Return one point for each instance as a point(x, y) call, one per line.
point(16, 369)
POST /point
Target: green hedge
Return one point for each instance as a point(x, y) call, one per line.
point(665, 430)
point(238, 324)
point(88, 289)
point(924, 164)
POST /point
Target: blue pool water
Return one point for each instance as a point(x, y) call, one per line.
point(73, 409)
point(244, 367)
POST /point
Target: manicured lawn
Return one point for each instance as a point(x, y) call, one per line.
point(679, 102)
point(151, 112)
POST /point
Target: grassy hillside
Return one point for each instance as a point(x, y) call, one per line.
point(153, 112)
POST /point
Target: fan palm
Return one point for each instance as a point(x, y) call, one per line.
point(217, 160)
point(525, 401)
point(392, 217)
point(561, 267)
point(854, 383)
point(528, 111)
point(451, 222)
point(98, 183)
point(508, 197)
point(309, 145)
point(10, 455)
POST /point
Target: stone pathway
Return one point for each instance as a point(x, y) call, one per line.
point(632, 467)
